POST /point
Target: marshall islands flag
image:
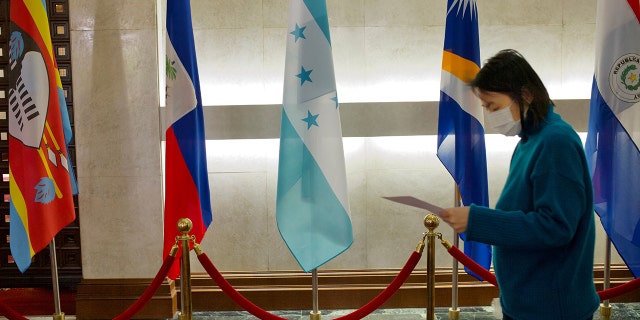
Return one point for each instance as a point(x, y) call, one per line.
point(461, 147)
point(187, 179)
point(41, 179)
point(312, 208)
point(614, 126)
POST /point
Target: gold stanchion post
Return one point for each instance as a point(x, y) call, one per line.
point(431, 221)
point(186, 311)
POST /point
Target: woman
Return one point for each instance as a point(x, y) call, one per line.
point(542, 229)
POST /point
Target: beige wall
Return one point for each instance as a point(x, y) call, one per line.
point(387, 59)
point(117, 135)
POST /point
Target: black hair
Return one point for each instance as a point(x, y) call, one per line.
point(509, 72)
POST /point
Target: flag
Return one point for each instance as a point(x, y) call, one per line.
point(41, 179)
point(186, 175)
point(461, 147)
point(312, 207)
point(614, 127)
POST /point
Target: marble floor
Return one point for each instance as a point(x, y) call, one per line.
point(620, 311)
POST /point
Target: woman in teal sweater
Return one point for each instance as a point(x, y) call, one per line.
point(542, 229)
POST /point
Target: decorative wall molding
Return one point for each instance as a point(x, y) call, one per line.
point(367, 119)
point(107, 298)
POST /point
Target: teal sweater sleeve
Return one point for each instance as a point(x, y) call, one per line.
point(546, 194)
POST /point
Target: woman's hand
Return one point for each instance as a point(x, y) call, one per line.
point(456, 217)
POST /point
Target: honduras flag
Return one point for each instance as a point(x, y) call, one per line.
point(461, 147)
point(614, 126)
point(312, 207)
point(187, 180)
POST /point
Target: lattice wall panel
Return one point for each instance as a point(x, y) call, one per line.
point(68, 240)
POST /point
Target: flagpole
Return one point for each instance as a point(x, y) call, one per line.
point(605, 308)
point(58, 315)
point(315, 314)
point(454, 313)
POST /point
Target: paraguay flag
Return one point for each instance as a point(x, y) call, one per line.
point(312, 207)
point(461, 147)
point(186, 175)
point(614, 126)
point(41, 179)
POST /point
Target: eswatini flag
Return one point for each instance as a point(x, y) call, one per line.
point(187, 182)
point(41, 179)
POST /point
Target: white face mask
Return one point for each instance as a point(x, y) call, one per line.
point(502, 121)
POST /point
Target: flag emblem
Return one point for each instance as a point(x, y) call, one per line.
point(624, 78)
point(29, 94)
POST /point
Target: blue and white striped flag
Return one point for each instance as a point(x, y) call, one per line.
point(312, 208)
point(614, 126)
point(461, 147)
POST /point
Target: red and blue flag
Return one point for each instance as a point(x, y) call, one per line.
point(614, 126)
point(186, 175)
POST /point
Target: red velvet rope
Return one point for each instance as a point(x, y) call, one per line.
point(383, 296)
point(472, 265)
point(619, 290)
point(357, 314)
point(228, 289)
point(9, 312)
point(150, 291)
point(491, 278)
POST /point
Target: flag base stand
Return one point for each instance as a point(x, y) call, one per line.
point(315, 315)
point(454, 314)
point(58, 316)
point(605, 312)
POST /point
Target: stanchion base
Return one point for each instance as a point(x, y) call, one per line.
point(58, 316)
point(315, 316)
point(454, 314)
point(184, 316)
point(605, 312)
